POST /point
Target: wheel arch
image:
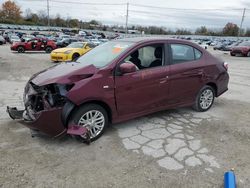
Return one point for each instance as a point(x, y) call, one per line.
point(76, 52)
point(69, 108)
point(21, 46)
point(214, 86)
point(49, 46)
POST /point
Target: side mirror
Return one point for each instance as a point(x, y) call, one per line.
point(127, 67)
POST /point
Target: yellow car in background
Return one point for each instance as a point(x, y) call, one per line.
point(71, 52)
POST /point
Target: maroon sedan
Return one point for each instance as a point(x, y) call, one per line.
point(242, 49)
point(118, 81)
point(35, 44)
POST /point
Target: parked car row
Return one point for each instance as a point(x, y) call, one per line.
point(61, 39)
point(76, 45)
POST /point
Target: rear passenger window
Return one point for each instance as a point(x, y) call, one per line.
point(197, 53)
point(184, 53)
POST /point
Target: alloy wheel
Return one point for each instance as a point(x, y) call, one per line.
point(206, 99)
point(94, 120)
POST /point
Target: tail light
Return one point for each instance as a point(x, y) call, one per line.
point(225, 65)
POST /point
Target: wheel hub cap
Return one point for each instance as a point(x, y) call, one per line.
point(206, 99)
point(94, 120)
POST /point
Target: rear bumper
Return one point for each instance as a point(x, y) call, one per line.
point(222, 83)
point(47, 121)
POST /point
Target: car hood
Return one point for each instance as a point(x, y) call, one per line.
point(64, 73)
point(62, 50)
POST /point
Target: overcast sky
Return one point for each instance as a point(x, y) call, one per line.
point(199, 12)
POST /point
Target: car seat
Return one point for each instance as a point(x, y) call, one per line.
point(135, 59)
point(158, 56)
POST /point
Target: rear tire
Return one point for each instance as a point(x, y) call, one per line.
point(75, 56)
point(92, 116)
point(248, 54)
point(20, 49)
point(205, 99)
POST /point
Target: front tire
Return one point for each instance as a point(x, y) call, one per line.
point(75, 56)
point(92, 116)
point(205, 99)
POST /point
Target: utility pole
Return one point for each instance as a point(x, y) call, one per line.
point(242, 20)
point(127, 19)
point(48, 13)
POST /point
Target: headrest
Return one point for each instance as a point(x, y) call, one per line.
point(135, 54)
point(158, 52)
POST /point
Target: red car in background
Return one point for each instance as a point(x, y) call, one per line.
point(35, 44)
point(118, 81)
point(242, 49)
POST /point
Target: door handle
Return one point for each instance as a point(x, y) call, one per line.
point(164, 80)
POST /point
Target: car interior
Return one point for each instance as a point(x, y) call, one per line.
point(147, 57)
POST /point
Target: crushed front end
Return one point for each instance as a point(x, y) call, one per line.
point(43, 108)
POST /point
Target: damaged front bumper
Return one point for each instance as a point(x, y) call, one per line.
point(47, 110)
point(43, 108)
point(48, 122)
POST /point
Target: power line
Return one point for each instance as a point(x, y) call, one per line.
point(183, 9)
point(170, 15)
point(74, 2)
point(141, 5)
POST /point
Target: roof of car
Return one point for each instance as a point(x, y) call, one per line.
point(148, 39)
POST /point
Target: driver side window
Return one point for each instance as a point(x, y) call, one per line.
point(147, 57)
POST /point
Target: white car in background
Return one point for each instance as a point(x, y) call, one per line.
point(204, 45)
point(95, 41)
point(14, 38)
point(28, 37)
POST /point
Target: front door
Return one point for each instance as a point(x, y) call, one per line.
point(145, 89)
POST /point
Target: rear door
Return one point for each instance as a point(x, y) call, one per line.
point(186, 73)
point(145, 89)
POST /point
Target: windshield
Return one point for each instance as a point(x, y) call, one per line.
point(102, 55)
point(76, 45)
point(244, 44)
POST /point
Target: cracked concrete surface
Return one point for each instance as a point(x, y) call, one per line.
point(169, 139)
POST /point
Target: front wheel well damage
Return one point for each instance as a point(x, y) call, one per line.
point(70, 108)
